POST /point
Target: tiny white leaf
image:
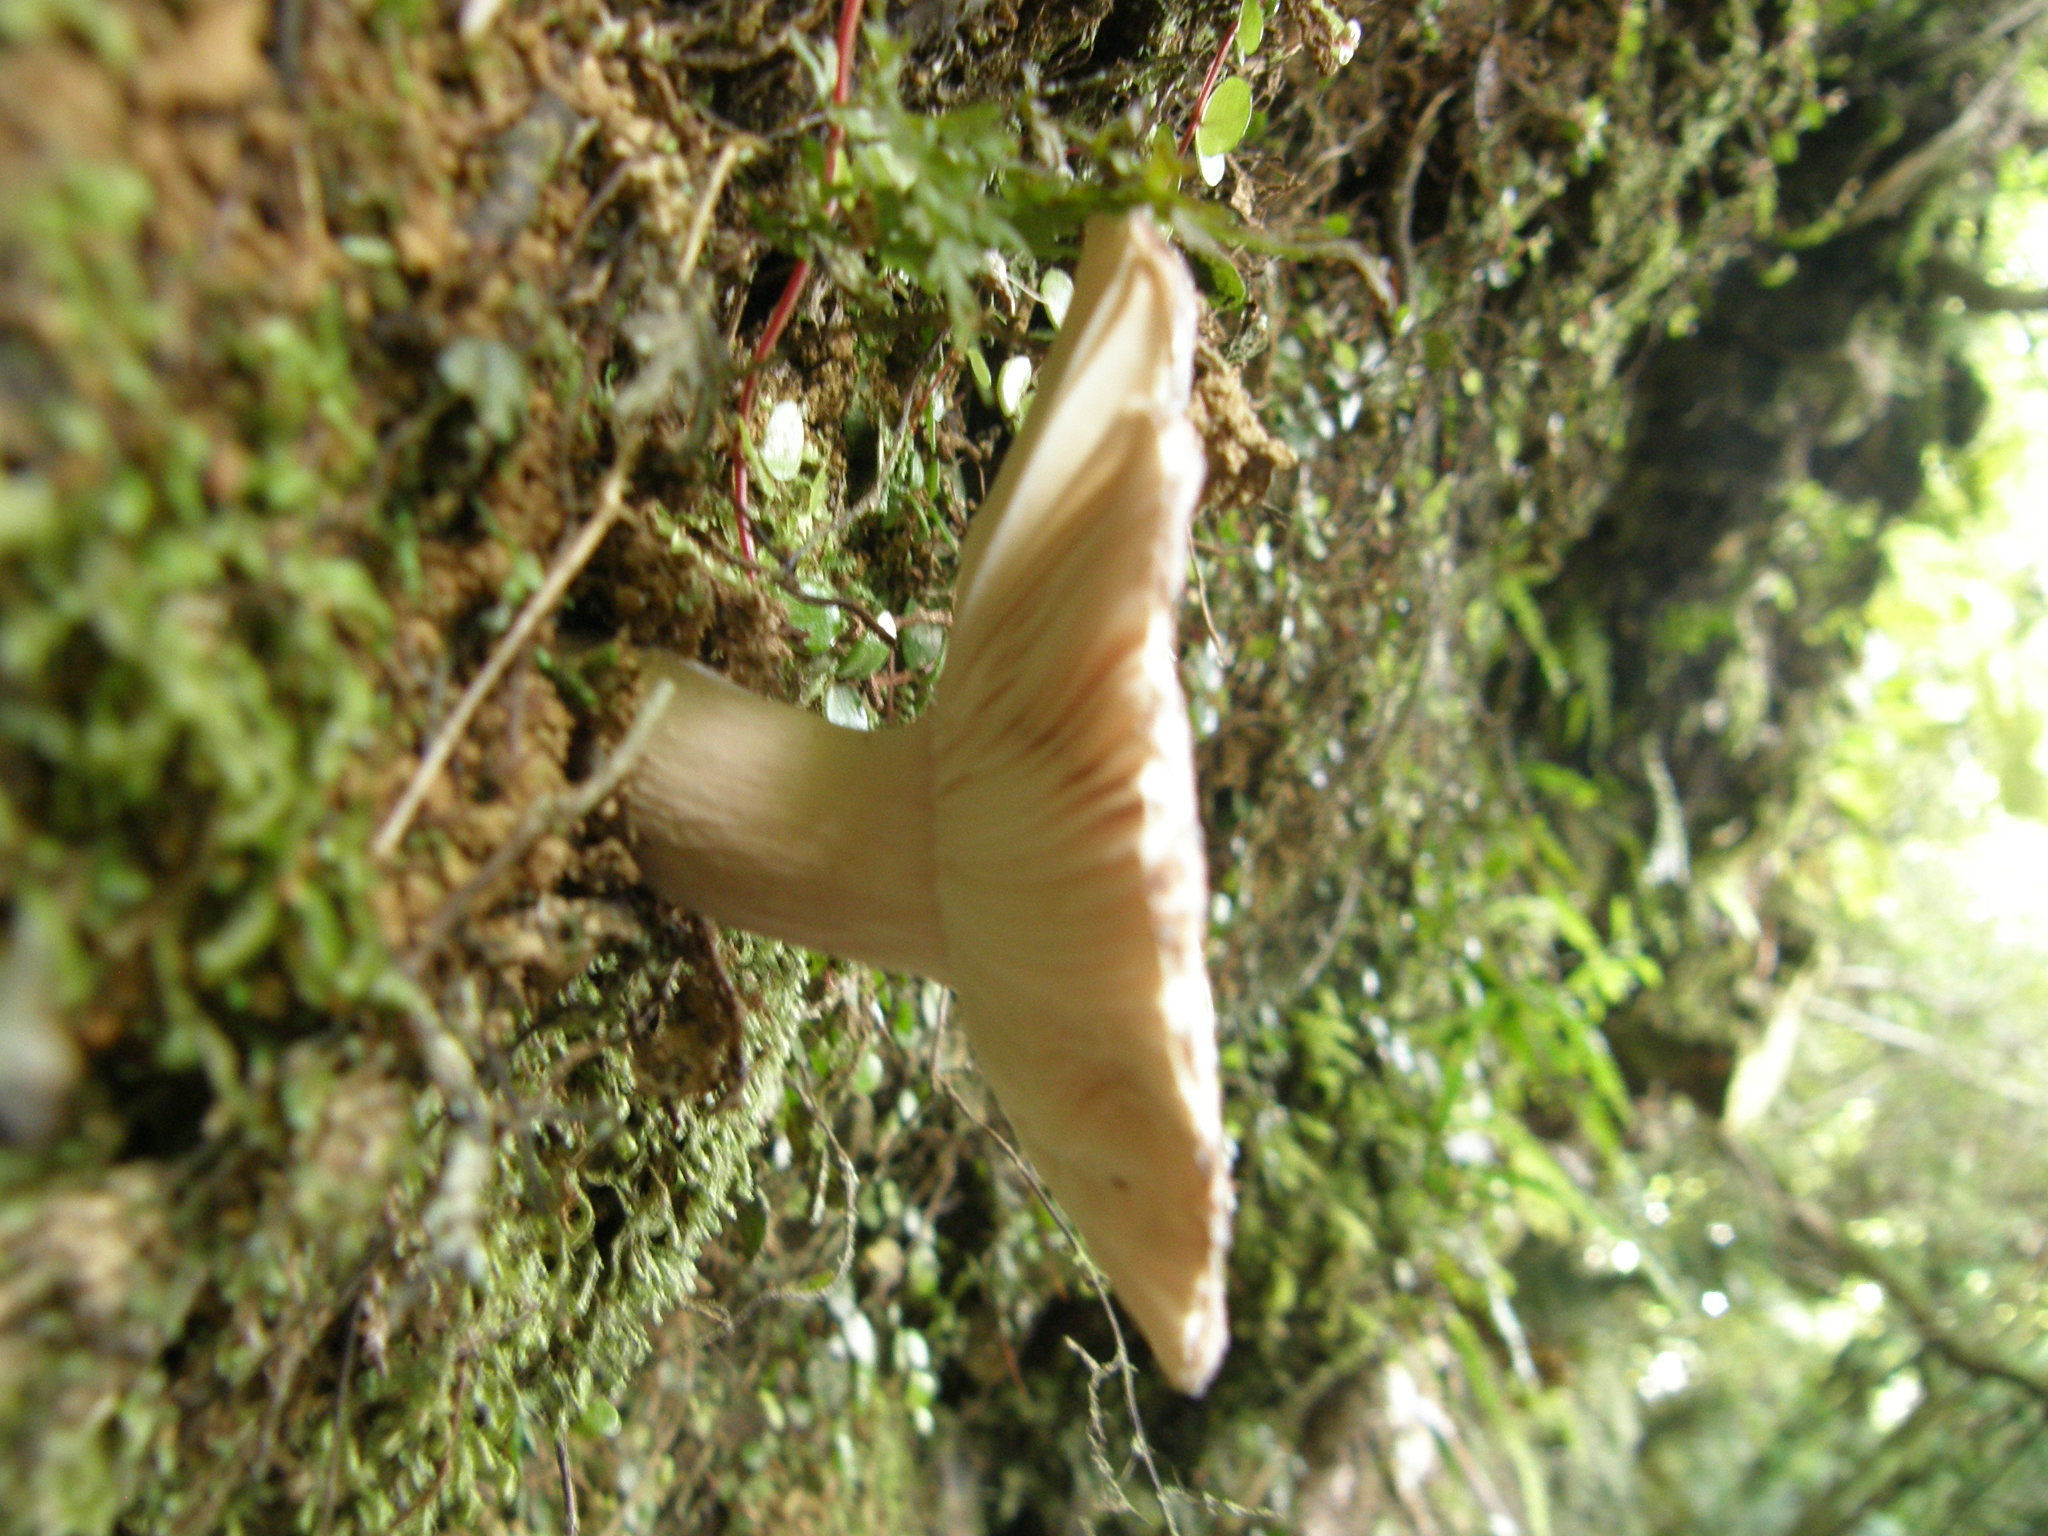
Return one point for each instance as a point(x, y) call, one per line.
point(859, 1334)
point(844, 707)
point(782, 441)
point(1011, 385)
point(1057, 290)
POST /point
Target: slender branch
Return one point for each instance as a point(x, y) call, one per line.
point(1979, 294)
point(2015, 17)
point(1340, 924)
point(338, 1430)
point(1411, 177)
point(550, 815)
point(700, 218)
point(778, 579)
point(778, 322)
point(1974, 1356)
point(1224, 652)
point(1904, 1038)
point(1897, 186)
point(572, 1522)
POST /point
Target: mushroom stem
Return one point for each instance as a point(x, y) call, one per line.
point(766, 818)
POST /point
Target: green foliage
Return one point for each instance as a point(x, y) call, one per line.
point(1226, 118)
point(925, 202)
point(183, 697)
point(273, 1118)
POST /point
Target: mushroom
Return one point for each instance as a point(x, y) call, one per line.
point(1032, 840)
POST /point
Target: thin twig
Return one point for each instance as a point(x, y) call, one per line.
point(611, 503)
point(778, 322)
point(1892, 191)
point(775, 578)
point(700, 219)
point(2003, 1083)
point(1372, 270)
point(1347, 908)
point(599, 200)
point(1924, 1310)
point(1404, 223)
point(331, 1483)
point(1223, 650)
point(549, 815)
point(2014, 18)
point(572, 1522)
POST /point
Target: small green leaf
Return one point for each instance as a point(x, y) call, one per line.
point(1228, 115)
point(818, 623)
point(1779, 272)
point(869, 655)
point(750, 1228)
point(491, 377)
point(923, 645)
point(1225, 281)
point(599, 1418)
point(369, 250)
point(977, 365)
point(1251, 28)
point(28, 511)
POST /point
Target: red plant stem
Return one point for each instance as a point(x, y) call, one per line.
point(778, 321)
point(785, 306)
point(1209, 82)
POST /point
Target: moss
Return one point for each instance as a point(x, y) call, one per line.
point(315, 1231)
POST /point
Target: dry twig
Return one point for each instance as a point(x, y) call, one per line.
point(550, 815)
point(1411, 177)
point(611, 504)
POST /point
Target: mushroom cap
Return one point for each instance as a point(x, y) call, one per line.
point(1067, 845)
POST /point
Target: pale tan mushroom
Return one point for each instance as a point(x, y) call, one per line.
point(1032, 840)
